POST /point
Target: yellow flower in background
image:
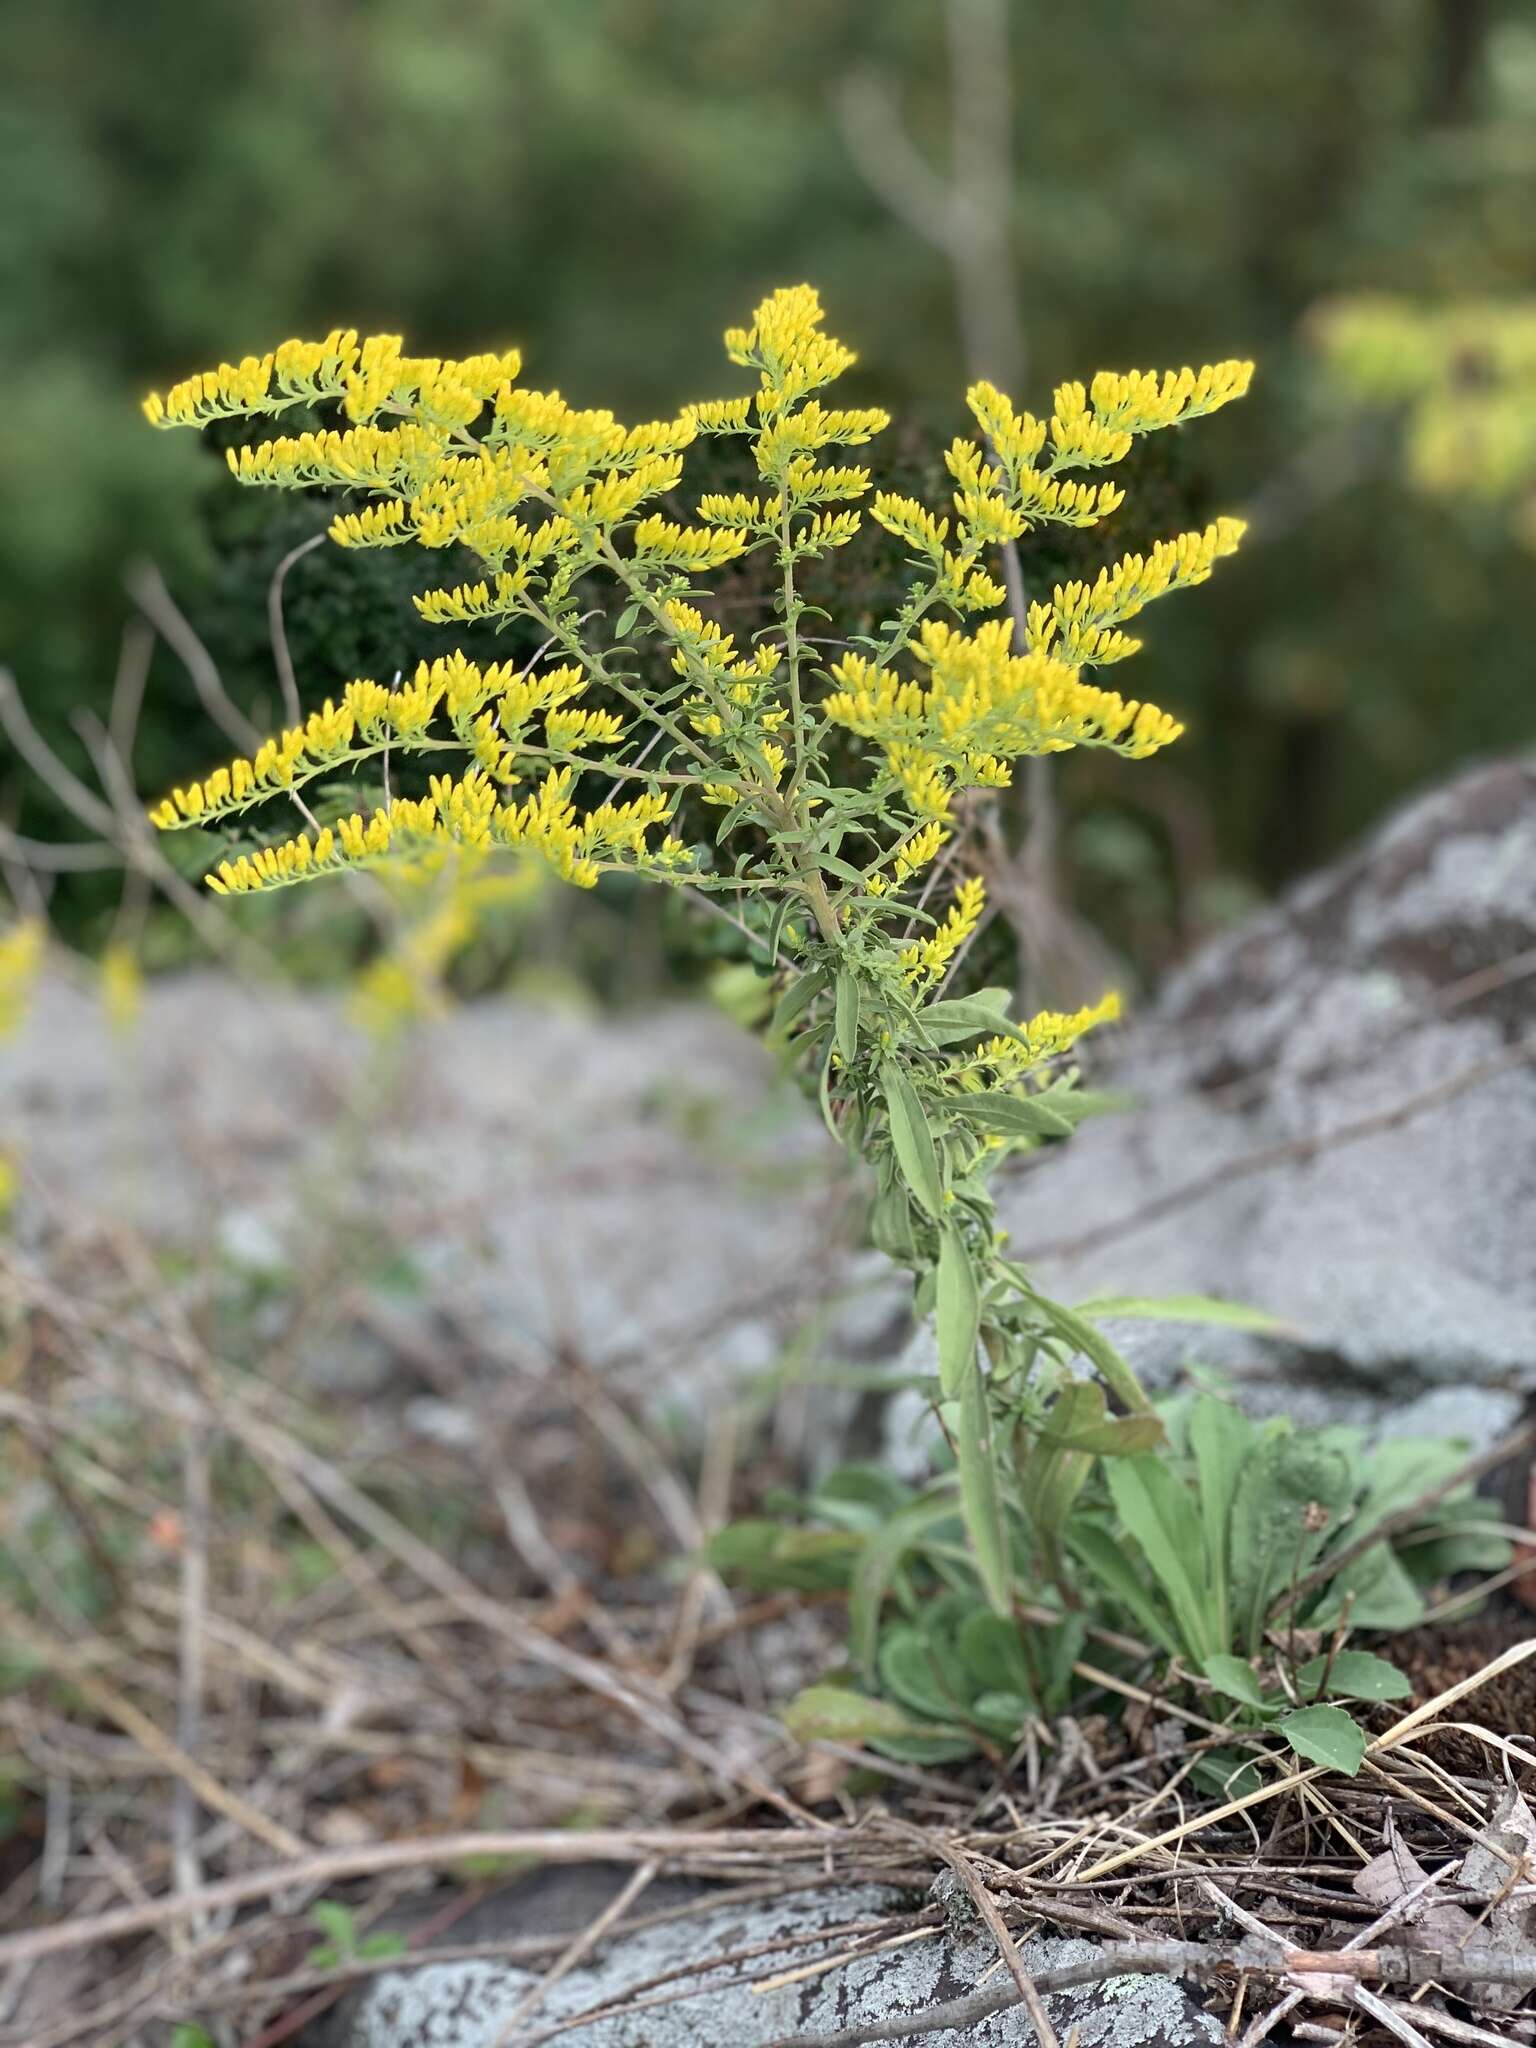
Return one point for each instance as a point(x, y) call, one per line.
point(122, 987)
point(22, 947)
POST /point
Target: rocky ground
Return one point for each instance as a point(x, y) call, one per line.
point(1334, 1118)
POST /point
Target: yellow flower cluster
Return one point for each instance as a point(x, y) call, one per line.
point(456, 453)
point(366, 377)
point(409, 446)
point(468, 812)
point(910, 858)
point(785, 343)
point(927, 960)
point(1096, 426)
point(491, 711)
point(21, 962)
point(981, 704)
point(1087, 429)
point(1043, 1037)
point(1078, 625)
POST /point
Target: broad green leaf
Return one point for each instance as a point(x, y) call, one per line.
point(912, 1140)
point(1090, 1341)
point(993, 1655)
point(958, 1307)
point(1012, 1116)
point(1183, 1308)
point(912, 1670)
point(1384, 1596)
point(834, 1714)
point(847, 1017)
point(627, 618)
point(1325, 1735)
point(880, 1562)
point(1399, 1471)
point(978, 1492)
point(1158, 1511)
point(1235, 1677)
point(1001, 1714)
point(1353, 1675)
point(1295, 1490)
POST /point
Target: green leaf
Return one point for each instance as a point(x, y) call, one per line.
point(912, 1140)
point(1106, 1361)
point(1276, 1530)
point(912, 1670)
point(1226, 1774)
point(627, 618)
point(832, 1713)
point(890, 1223)
point(847, 1032)
point(1221, 1438)
point(1354, 1675)
point(959, 1311)
point(1104, 1557)
point(954, 1018)
point(943, 1748)
point(1002, 1714)
point(1183, 1308)
point(1385, 1596)
point(335, 1921)
point(979, 1494)
point(1158, 1511)
point(797, 999)
point(378, 1947)
point(1051, 1476)
point(879, 1564)
point(1235, 1677)
point(1012, 1116)
point(1077, 1421)
point(184, 2035)
point(993, 1655)
point(1325, 1735)
point(768, 1557)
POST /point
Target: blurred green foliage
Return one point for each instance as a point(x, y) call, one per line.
point(607, 182)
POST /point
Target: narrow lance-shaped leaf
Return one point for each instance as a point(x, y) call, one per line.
point(979, 1497)
point(1013, 1116)
point(912, 1140)
point(959, 1312)
point(847, 1030)
point(1087, 1338)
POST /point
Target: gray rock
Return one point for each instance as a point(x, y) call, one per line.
point(468, 2004)
point(644, 1192)
point(1406, 1260)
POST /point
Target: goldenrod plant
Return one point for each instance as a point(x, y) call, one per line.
point(848, 857)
